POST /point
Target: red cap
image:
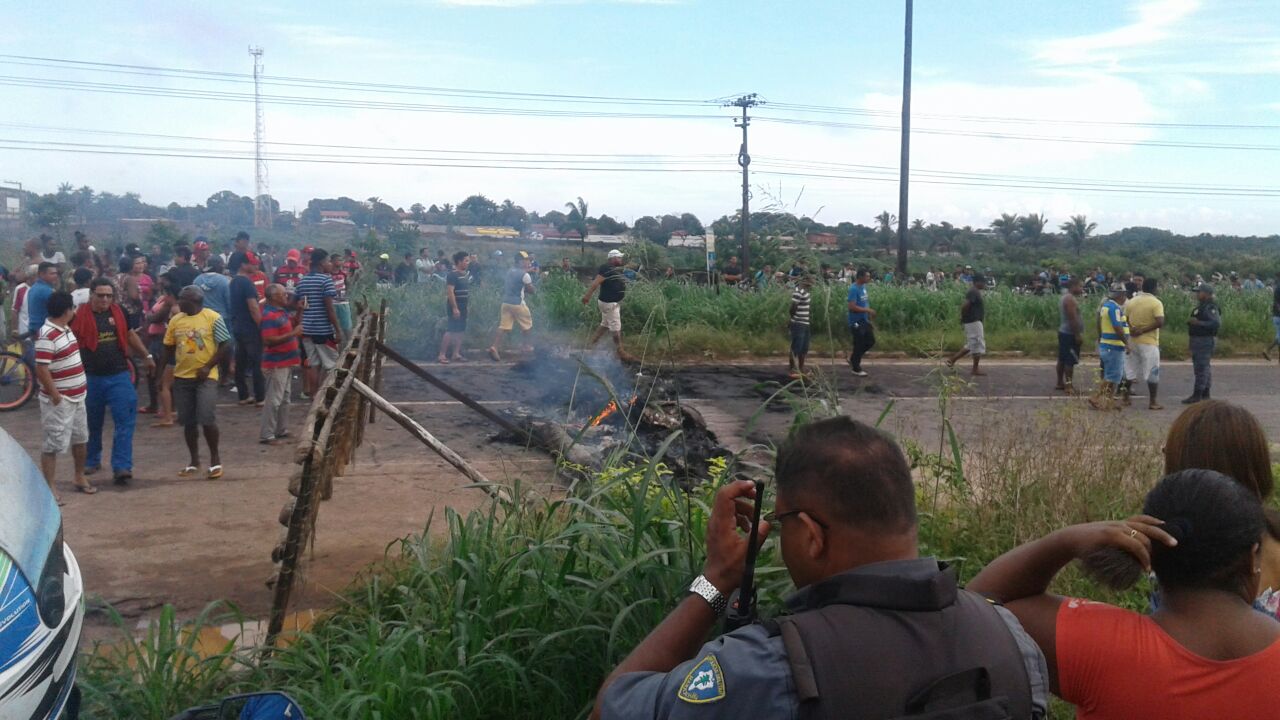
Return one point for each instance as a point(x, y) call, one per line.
point(293, 254)
point(201, 245)
point(252, 258)
point(309, 249)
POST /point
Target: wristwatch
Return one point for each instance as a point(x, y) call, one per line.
point(703, 588)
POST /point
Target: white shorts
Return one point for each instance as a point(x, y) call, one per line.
point(1143, 364)
point(610, 315)
point(321, 355)
point(975, 340)
point(64, 424)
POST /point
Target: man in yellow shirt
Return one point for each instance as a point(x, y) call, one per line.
point(1146, 317)
point(1113, 346)
point(197, 339)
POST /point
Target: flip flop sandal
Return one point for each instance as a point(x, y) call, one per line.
point(493, 353)
point(215, 472)
point(162, 424)
point(86, 489)
point(188, 471)
point(442, 360)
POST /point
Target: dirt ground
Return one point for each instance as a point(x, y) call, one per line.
point(188, 542)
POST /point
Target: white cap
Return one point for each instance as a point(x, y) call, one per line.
point(615, 254)
point(92, 249)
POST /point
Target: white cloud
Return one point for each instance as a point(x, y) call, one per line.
point(1156, 21)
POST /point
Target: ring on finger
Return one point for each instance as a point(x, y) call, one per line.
point(1133, 533)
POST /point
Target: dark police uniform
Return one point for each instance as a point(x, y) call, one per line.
point(748, 673)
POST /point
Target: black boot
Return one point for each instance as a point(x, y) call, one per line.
point(1195, 398)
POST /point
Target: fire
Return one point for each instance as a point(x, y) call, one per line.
point(608, 410)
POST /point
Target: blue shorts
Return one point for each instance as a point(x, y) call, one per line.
point(1112, 362)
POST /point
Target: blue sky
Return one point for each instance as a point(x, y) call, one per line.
point(1114, 75)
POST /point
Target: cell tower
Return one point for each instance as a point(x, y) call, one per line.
point(261, 208)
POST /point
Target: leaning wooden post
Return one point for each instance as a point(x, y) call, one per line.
point(380, 336)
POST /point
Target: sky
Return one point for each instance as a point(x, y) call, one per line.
point(1161, 113)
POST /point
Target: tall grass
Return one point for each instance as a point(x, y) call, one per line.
point(693, 320)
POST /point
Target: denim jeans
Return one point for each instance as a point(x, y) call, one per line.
point(117, 393)
point(249, 360)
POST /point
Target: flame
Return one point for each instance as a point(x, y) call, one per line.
point(608, 410)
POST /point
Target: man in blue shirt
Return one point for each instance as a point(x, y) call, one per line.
point(860, 317)
point(320, 329)
point(38, 296)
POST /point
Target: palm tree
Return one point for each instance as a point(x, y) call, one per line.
point(917, 224)
point(1077, 230)
point(1032, 226)
point(578, 219)
point(1006, 226)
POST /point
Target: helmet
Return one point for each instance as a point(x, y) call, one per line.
point(42, 585)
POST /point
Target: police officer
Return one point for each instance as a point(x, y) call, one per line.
point(874, 631)
point(1202, 327)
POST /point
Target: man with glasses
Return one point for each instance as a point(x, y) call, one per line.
point(874, 631)
point(105, 336)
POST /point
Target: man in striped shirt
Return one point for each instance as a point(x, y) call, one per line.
point(280, 355)
point(62, 392)
point(800, 301)
point(317, 292)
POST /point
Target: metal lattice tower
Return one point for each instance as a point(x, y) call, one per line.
point(261, 208)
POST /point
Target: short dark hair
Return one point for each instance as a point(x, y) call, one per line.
point(99, 282)
point(862, 272)
point(79, 257)
point(320, 254)
point(857, 473)
point(82, 276)
point(236, 260)
point(45, 265)
point(1216, 521)
point(59, 302)
point(1149, 284)
point(182, 251)
point(460, 256)
point(125, 264)
point(242, 235)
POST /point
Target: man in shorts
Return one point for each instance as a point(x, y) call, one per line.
point(457, 291)
point(972, 314)
point(515, 285)
point(320, 329)
point(1146, 317)
point(1113, 346)
point(801, 299)
point(63, 388)
point(612, 285)
point(1070, 334)
point(196, 340)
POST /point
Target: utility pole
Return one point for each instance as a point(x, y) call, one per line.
point(904, 170)
point(744, 161)
point(261, 208)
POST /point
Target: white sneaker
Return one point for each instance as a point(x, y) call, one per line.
point(860, 373)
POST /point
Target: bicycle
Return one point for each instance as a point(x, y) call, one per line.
point(17, 377)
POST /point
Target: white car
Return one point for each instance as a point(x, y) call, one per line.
point(41, 596)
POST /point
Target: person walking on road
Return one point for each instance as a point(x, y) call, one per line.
point(515, 285)
point(801, 300)
point(1070, 335)
point(280, 355)
point(245, 315)
point(860, 317)
point(1113, 346)
point(1146, 317)
point(197, 339)
point(972, 314)
point(1275, 319)
point(1202, 327)
point(62, 390)
point(106, 334)
point(612, 285)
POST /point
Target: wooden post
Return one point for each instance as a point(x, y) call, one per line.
point(379, 336)
point(430, 441)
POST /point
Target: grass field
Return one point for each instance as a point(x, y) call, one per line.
point(522, 607)
point(688, 320)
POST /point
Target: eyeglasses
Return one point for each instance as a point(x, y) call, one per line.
point(776, 517)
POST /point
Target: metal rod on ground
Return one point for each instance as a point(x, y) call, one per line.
point(465, 400)
point(430, 441)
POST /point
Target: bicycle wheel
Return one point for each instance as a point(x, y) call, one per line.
point(17, 381)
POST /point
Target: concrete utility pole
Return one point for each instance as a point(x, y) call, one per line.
point(261, 208)
point(904, 171)
point(744, 161)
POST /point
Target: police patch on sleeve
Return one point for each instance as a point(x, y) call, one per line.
point(704, 683)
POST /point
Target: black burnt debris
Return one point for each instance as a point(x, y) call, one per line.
point(592, 410)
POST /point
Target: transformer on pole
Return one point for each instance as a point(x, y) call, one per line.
point(261, 205)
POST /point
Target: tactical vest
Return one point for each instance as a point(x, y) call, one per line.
point(876, 647)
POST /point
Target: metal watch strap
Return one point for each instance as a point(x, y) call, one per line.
point(703, 588)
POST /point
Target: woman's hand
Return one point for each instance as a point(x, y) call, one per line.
point(1135, 536)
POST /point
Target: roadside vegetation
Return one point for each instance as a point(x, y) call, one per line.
point(522, 607)
point(692, 321)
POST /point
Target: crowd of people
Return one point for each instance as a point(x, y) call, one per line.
point(876, 630)
point(184, 324)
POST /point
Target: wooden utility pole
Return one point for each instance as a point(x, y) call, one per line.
point(904, 170)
